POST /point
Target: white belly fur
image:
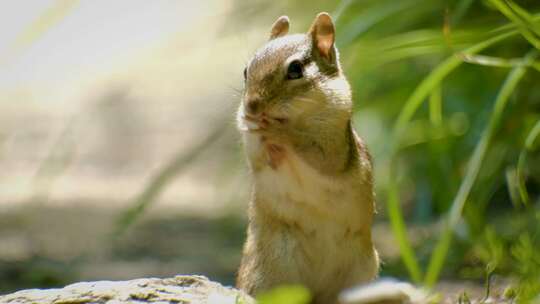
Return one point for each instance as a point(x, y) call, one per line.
point(324, 208)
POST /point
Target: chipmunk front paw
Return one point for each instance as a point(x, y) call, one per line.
point(268, 127)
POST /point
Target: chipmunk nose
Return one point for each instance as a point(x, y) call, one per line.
point(253, 106)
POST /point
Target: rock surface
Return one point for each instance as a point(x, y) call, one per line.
point(180, 289)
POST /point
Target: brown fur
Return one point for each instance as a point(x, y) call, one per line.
point(312, 205)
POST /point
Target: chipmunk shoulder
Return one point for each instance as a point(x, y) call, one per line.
point(312, 203)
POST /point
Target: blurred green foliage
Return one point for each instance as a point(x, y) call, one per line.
point(37, 271)
point(291, 294)
point(447, 94)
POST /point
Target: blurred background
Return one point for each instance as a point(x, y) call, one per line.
point(120, 157)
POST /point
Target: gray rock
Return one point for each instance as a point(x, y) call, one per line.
point(180, 289)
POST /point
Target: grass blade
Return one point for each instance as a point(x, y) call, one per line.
point(500, 103)
point(435, 107)
point(460, 11)
point(372, 16)
point(525, 17)
point(45, 21)
point(522, 21)
point(441, 249)
point(434, 79)
point(163, 178)
point(400, 231)
point(529, 142)
point(411, 105)
point(343, 5)
point(531, 138)
point(497, 61)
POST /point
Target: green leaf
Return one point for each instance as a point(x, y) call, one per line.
point(290, 294)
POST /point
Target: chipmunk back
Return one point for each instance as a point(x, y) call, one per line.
point(312, 204)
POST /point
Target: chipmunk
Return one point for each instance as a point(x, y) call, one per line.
point(312, 204)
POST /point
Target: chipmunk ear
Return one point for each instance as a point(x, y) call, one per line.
point(322, 33)
point(280, 27)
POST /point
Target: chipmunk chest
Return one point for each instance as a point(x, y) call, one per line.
point(283, 177)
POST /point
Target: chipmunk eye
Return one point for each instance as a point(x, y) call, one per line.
point(295, 70)
point(245, 73)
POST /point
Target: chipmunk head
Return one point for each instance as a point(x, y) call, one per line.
point(292, 76)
